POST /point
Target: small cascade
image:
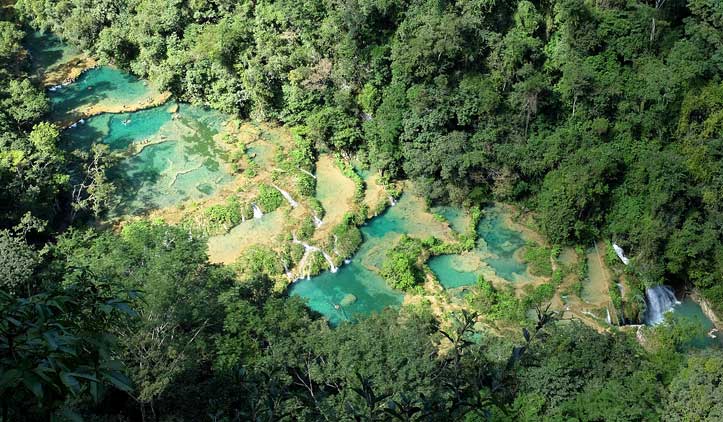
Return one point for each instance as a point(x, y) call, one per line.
point(392, 201)
point(608, 318)
point(329, 261)
point(307, 172)
point(288, 197)
point(257, 211)
point(56, 87)
point(308, 249)
point(659, 300)
point(288, 272)
point(317, 221)
point(621, 254)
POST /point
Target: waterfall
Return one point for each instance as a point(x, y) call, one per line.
point(308, 248)
point(608, 318)
point(621, 254)
point(288, 197)
point(659, 300)
point(257, 211)
point(307, 172)
point(329, 261)
point(317, 221)
point(392, 201)
point(288, 273)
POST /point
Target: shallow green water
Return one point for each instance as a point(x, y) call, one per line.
point(595, 285)
point(450, 272)
point(496, 247)
point(456, 217)
point(102, 86)
point(227, 247)
point(326, 291)
point(47, 50)
point(502, 242)
point(172, 157)
point(690, 309)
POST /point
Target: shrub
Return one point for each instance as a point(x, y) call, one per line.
point(401, 269)
point(538, 257)
point(269, 198)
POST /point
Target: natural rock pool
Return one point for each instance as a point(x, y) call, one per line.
point(496, 250)
point(98, 90)
point(172, 156)
point(326, 292)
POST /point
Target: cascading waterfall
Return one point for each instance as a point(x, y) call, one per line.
point(307, 172)
point(286, 269)
point(288, 197)
point(392, 201)
point(659, 300)
point(257, 211)
point(332, 267)
point(608, 318)
point(317, 221)
point(621, 254)
point(308, 249)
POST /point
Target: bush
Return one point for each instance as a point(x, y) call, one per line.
point(359, 186)
point(401, 268)
point(615, 297)
point(225, 216)
point(494, 304)
point(306, 228)
point(539, 295)
point(305, 185)
point(347, 241)
point(538, 258)
point(269, 198)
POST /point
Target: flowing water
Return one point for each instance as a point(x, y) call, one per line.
point(659, 300)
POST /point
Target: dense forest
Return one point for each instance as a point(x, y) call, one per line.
point(604, 118)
